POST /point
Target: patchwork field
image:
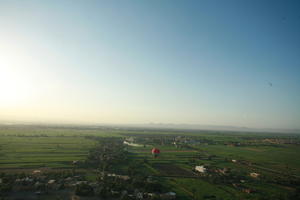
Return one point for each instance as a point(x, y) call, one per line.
point(229, 158)
point(28, 147)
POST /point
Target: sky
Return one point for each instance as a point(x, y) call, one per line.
point(208, 62)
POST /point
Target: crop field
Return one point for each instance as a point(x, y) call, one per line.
point(271, 161)
point(175, 167)
point(32, 152)
point(228, 157)
point(284, 158)
point(34, 147)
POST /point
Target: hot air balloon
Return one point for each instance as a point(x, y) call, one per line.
point(155, 152)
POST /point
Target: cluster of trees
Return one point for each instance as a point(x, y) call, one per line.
point(108, 187)
point(6, 183)
point(9, 183)
point(107, 153)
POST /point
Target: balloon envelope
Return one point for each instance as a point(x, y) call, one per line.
point(155, 151)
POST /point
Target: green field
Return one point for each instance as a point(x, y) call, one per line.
point(33, 147)
point(37, 147)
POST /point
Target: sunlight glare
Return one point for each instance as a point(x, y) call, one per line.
point(15, 85)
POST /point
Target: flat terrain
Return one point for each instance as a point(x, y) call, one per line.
point(34, 147)
point(228, 157)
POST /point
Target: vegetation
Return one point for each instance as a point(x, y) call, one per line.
point(94, 163)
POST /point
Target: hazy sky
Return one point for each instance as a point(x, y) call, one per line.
point(208, 62)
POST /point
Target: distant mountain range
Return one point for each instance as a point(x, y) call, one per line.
point(216, 127)
point(193, 127)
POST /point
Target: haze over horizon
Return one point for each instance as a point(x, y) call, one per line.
point(229, 63)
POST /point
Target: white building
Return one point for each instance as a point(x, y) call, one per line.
point(200, 169)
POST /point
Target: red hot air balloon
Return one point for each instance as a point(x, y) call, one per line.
point(155, 152)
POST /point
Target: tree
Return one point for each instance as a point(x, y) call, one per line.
point(84, 190)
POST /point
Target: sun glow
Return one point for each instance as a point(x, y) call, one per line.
point(15, 84)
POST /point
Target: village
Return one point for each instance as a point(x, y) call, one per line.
point(61, 185)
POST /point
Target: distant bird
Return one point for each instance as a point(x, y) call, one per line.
point(270, 84)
